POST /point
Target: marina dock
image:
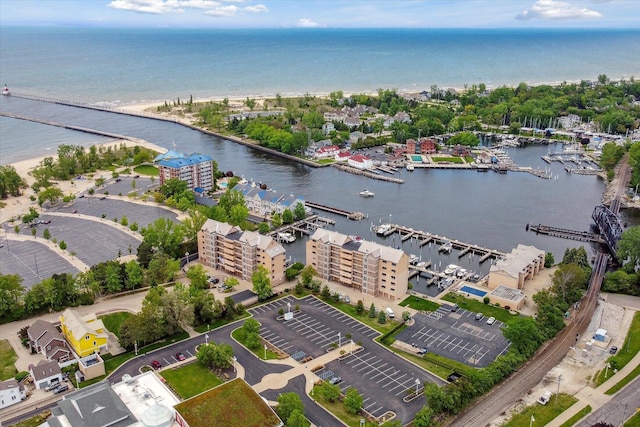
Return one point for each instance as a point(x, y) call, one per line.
point(304, 226)
point(356, 216)
point(583, 236)
point(368, 174)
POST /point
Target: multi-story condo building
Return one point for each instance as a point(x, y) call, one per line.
point(224, 247)
point(196, 170)
point(371, 268)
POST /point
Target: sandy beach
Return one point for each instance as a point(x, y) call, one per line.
point(18, 206)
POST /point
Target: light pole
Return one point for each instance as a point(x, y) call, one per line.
point(351, 346)
point(135, 347)
point(186, 255)
point(417, 385)
point(265, 352)
point(206, 338)
point(606, 371)
point(338, 339)
point(234, 362)
point(289, 307)
point(558, 393)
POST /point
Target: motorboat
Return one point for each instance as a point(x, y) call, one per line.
point(383, 229)
point(446, 247)
point(410, 167)
point(286, 237)
point(5, 90)
point(367, 193)
point(414, 259)
point(421, 264)
point(451, 268)
point(461, 273)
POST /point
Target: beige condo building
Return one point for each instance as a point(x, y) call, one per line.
point(224, 247)
point(368, 267)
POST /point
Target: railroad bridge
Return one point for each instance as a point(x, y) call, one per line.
point(609, 225)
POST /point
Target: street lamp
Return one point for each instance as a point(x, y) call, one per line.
point(186, 255)
point(265, 352)
point(206, 338)
point(338, 339)
point(289, 307)
point(417, 385)
point(234, 362)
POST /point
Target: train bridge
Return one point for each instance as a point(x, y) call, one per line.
point(609, 226)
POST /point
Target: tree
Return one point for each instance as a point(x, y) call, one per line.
point(11, 292)
point(287, 216)
point(31, 216)
point(629, 246)
point(306, 275)
point(50, 194)
point(297, 419)
point(276, 220)
point(287, 404)
point(164, 236)
point(264, 228)
point(424, 417)
point(46, 234)
point(134, 274)
point(10, 182)
point(569, 281)
point(372, 311)
point(464, 138)
point(523, 334)
point(299, 212)
point(261, 283)
point(549, 260)
point(359, 307)
point(326, 292)
point(231, 282)
point(112, 281)
point(382, 318)
point(215, 356)
point(353, 401)
point(330, 392)
point(238, 214)
point(197, 276)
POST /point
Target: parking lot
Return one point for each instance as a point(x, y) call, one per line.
point(457, 335)
point(32, 261)
point(381, 376)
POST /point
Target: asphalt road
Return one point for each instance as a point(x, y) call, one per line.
point(624, 405)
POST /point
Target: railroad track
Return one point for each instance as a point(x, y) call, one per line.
point(510, 391)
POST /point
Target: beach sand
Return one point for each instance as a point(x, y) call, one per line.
point(18, 206)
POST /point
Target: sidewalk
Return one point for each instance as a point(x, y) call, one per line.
point(595, 397)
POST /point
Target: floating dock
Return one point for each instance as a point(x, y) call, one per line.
point(304, 226)
point(356, 216)
point(564, 233)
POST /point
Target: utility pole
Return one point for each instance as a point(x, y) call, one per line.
point(558, 393)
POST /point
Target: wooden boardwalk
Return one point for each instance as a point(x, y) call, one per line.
point(583, 236)
point(357, 216)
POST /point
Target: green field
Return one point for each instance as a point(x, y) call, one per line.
point(626, 352)
point(543, 414)
point(633, 421)
point(113, 321)
point(7, 359)
point(573, 420)
point(419, 304)
point(191, 379)
point(149, 170)
point(476, 306)
point(447, 160)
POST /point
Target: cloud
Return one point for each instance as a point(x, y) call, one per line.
point(210, 7)
point(555, 10)
point(223, 11)
point(306, 23)
point(155, 7)
point(259, 8)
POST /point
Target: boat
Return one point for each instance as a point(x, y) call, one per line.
point(421, 264)
point(383, 229)
point(410, 167)
point(461, 273)
point(367, 193)
point(355, 238)
point(414, 259)
point(445, 247)
point(451, 268)
point(286, 237)
point(6, 91)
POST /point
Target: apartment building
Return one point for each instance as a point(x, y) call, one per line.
point(224, 247)
point(196, 170)
point(369, 267)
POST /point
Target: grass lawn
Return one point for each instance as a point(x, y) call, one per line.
point(573, 420)
point(625, 352)
point(34, 421)
point(626, 380)
point(146, 170)
point(240, 337)
point(438, 365)
point(543, 414)
point(325, 161)
point(447, 159)
point(633, 421)
point(364, 317)
point(113, 321)
point(420, 304)
point(218, 323)
point(7, 359)
point(337, 409)
point(477, 306)
point(232, 404)
point(191, 379)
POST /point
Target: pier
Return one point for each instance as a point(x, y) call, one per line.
point(304, 226)
point(356, 216)
point(423, 238)
point(565, 233)
point(368, 174)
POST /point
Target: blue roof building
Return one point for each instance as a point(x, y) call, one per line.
point(196, 170)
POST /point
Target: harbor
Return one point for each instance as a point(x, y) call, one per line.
point(286, 233)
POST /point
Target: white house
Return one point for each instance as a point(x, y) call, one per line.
point(326, 152)
point(361, 162)
point(342, 156)
point(45, 373)
point(11, 392)
point(328, 127)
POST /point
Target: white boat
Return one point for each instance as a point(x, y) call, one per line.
point(383, 228)
point(413, 259)
point(410, 167)
point(421, 264)
point(5, 90)
point(367, 193)
point(451, 268)
point(446, 247)
point(461, 273)
point(286, 237)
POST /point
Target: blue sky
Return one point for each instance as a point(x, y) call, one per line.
point(324, 13)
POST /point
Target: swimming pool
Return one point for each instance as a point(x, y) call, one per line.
point(416, 158)
point(474, 291)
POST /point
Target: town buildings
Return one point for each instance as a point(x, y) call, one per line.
point(11, 392)
point(373, 269)
point(422, 146)
point(45, 338)
point(265, 202)
point(522, 263)
point(196, 170)
point(86, 335)
point(45, 373)
point(224, 247)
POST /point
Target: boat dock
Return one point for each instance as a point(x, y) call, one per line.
point(304, 226)
point(356, 216)
point(367, 173)
point(583, 236)
point(423, 238)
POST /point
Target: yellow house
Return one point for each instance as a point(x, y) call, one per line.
point(86, 335)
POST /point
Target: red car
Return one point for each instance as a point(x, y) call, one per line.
point(156, 365)
point(180, 357)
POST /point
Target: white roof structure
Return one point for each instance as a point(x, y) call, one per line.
point(517, 261)
point(150, 401)
point(80, 326)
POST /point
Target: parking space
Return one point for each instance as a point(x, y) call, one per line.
point(457, 335)
point(381, 376)
point(32, 261)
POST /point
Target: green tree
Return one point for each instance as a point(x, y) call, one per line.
point(231, 282)
point(326, 292)
point(353, 401)
point(134, 275)
point(215, 356)
point(330, 392)
point(276, 220)
point(34, 231)
point(287, 216)
point(287, 404)
point(62, 245)
point(299, 212)
point(307, 274)
point(165, 236)
point(464, 138)
point(523, 334)
point(261, 283)
point(11, 293)
point(359, 307)
point(10, 182)
point(194, 222)
point(112, 281)
point(382, 318)
point(50, 194)
point(238, 214)
point(549, 260)
point(372, 311)
point(569, 281)
point(424, 418)
point(31, 216)
point(197, 277)
point(46, 234)
point(297, 419)
point(264, 228)
point(629, 247)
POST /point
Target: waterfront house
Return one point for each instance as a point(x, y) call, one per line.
point(86, 335)
point(224, 247)
point(368, 267)
point(461, 151)
point(423, 146)
point(44, 338)
point(342, 156)
point(265, 202)
point(326, 152)
point(45, 373)
point(521, 264)
point(11, 392)
point(360, 161)
point(196, 170)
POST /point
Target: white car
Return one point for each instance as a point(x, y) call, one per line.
point(491, 320)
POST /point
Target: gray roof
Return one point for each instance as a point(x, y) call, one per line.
point(45, 369)
point(96, 406)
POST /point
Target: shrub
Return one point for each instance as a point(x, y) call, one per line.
point(485, 300)
point(62, 245)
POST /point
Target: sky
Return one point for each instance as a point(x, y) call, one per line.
point(324, 13)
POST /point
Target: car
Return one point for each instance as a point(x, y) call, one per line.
point(335, 380)
point(156, 365)
point(213, 280)
point(455, 307)
point(491, 320)
point(479, 316)
point(423, 350)
point(180, 357)
point(75, 211)
point(103, 198)
point(118, 179)
point(61, 389)
point(82, 196)
point(347, 299)
point(453, 377)
point(52, 386)
point(136, 176)
point(613, 350)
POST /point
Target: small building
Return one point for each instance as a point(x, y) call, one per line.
point(44, 338)
point(361, 162)
point(265, 202)
point(11, 392)
point(342, 156)
point(91, 366)
point(326, 152)
point(507, 297)
point(521, 264)
point(86, 335)
point(461, 151)
point(45, 373)
point(423, 146)
point(328, 127)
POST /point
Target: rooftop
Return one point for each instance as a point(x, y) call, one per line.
point(509, 294)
